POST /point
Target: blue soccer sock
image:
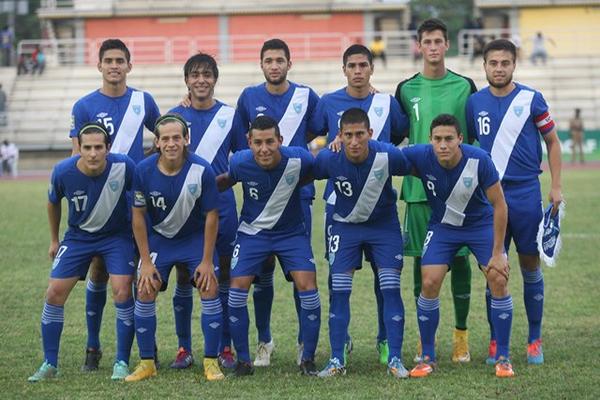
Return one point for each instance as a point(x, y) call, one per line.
point(263, 302)
point(298, 305)
point(310, 321)
point(238, 322)
point(533, 294)
point(125, 329)
point(393, 309)
point(53, 319)
point(225, 340)
point(381, 331)
point(502, 313)
point(144, 317)
point(428, 314)
point(339, 314)
point(488, 309)
point(211, 321)
point(95, 299)
point(183, 304)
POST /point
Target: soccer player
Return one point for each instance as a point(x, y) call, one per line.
point(95, 183)
point(175, 192)
point(364, 218)
point(433, 91)
point(215, 131)
point(124, 111)
point(291, 105)
point(467, 209)
point(388, 122)
point(508, 119)
point(270, 224)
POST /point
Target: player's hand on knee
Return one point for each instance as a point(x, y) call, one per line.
point(149, 280)
point(498, 264)
point(205, 277)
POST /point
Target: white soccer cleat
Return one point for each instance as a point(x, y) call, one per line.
point(263, 354)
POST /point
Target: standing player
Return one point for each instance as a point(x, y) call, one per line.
point(215, 131)
point(270, 224)
point(95, 183)
point(175, 192)
point(291, 105)
point(433, 91)
point(365, 218)
point(508, 119)
point(461, 182)
point(388, 123)
point(124, 111)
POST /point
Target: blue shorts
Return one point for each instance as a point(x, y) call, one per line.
point(74, 256)
point(228, 225)
point(442, 242)
point(292, 250)
point(328, 218)
point(186, 252)
point(381, 240)
point(525, 212)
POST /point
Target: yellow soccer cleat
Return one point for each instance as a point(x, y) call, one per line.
point(144, 370)
point(212, 372)
point(460, 346)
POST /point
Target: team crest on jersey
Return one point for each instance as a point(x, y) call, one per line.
point(113, 185)
point(261, 108)
point(192, 188)
point(431, 177)
point(290, 178)
point(518, 110)
point(378, 173)
point(297, 107)
point(137, 108)
point(415, 100)
point(222, 123)
point(483, 113)
point(378, 111)
point(468, 181)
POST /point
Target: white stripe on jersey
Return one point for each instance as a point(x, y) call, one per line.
point(108, 199)
point(294, 113)
point(190, 192)
point(510, 128)
point(279, 199)
point(370, 192)
point(215, 133)
point(130, 125)
point(461, 194)
point(378, 113)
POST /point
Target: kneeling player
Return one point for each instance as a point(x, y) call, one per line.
point(95, 182)
point(460, 182)
point(175, 192)
point(365, 219)
point(271, 224)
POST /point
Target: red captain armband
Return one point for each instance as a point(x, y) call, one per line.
point(544, 122)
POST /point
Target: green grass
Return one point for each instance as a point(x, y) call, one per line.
point(571, 325)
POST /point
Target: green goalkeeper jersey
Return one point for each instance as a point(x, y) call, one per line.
point(423, 99)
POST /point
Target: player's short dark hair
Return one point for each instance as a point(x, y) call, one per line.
point(355, 116)
point(430, 25)
point(275, 44)
point(200, 60)
point(500, 44)
point(445, 120)
point(357, 49)
point(171, 117)
point(113, 44)
point(93, 127)
point(263, 123)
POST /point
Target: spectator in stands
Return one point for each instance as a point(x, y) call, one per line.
point(539, 48)
point(39, 61)
point(6, 44)
point(22, 65)
point(576, 132)
point(377, 48)
point(9, 155)
point(3, 98)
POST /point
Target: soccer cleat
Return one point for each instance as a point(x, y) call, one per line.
point(263, 354)
point(44, 373)
point(423, 368)
point(504, 368)
point(226, 358)
point(384, 352)
point(308, 368)
point(491, 359)
point(299, 352)
point(348, 347)
point(460, 346)
point(535, 355)
point(243, 369)
point(144, 370)
point(212, 372)
point(92, 360)
point(184, 359)
point(120, 370)
point(333, 368)
point(396, 368)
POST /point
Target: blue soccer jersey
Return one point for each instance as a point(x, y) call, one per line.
point(97, 205)
point(457, 196)
point(176, 205)
point(364, 191)
point(509, 129)
point(124, 117)
point(271, 197)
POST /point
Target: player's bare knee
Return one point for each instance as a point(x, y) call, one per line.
point(55, 295)
point(211, 293)
point(498, 283)
point(529, 262)
point(145, 296)
point(121, 293)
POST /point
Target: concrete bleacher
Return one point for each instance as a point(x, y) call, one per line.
point(40, 106)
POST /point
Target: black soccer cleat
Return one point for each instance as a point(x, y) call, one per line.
point(92, 360)
point(308, 368)
point(243, 369)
